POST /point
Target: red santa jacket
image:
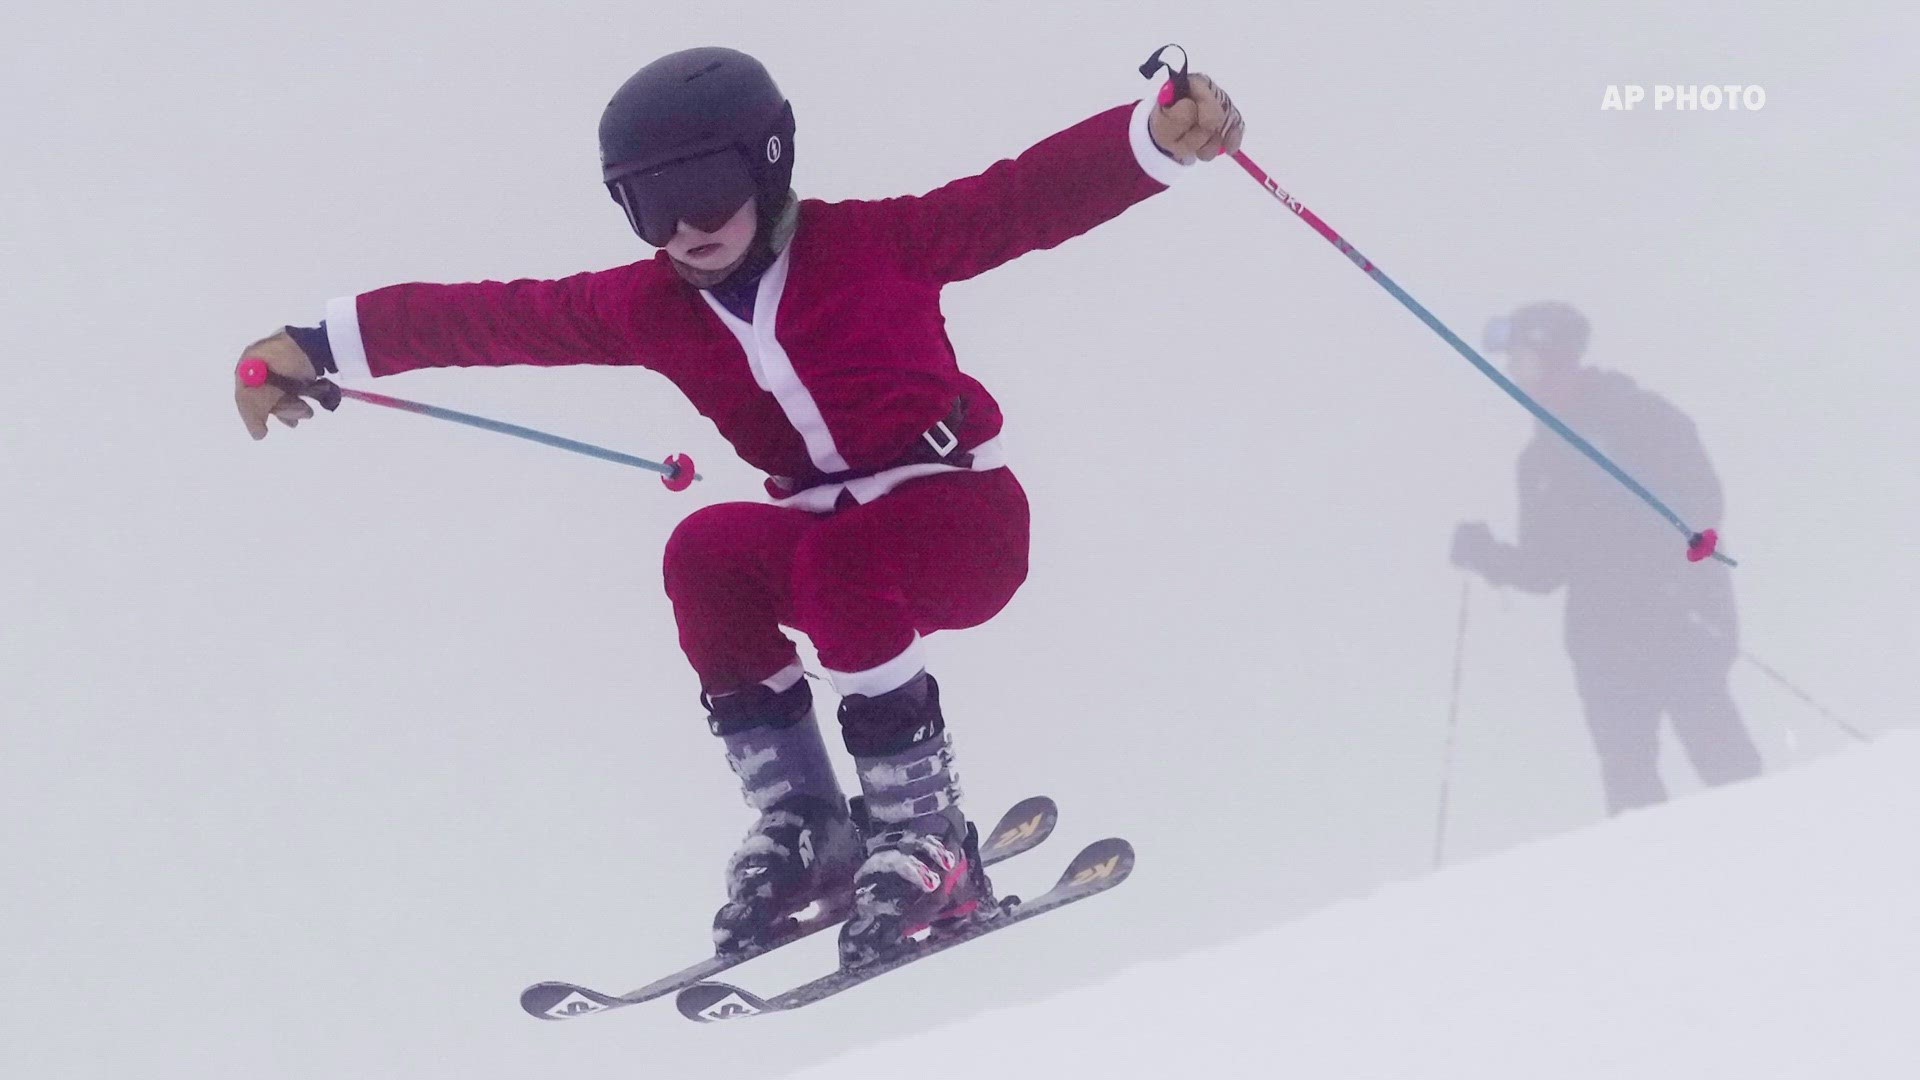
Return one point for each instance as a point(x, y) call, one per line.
point(846, 363)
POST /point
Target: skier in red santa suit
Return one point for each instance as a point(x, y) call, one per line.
point(810, 333)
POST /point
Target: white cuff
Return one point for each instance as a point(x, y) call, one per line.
point(343, 337)
point(1152, 161)
point(781, 681)
point(891, 675)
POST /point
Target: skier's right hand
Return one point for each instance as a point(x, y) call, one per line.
point(282, 357)
point(1473, 546)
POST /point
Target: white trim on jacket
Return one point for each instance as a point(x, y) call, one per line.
point(773, 368)
point(1152, 161)
point(343, 337)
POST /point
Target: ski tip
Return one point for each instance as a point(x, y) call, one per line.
point(706, 1002)
point(563, 1001)
point(1100, 865)
point(1025, 825)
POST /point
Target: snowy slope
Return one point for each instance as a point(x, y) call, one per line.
point(1765, 931)
point(314, 751)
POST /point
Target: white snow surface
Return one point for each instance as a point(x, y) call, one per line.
point(1764, 930)
point(314, 752)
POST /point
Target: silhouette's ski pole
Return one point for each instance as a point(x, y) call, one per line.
point(1453, 726)
point(1766, 669)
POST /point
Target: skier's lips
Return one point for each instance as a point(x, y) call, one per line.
point(702, 251)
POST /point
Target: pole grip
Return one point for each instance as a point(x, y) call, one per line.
point(1178, 85)
point(254, 371)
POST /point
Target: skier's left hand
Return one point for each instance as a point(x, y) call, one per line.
point(1204, 124)
point(1474, 546)
point(283, 356)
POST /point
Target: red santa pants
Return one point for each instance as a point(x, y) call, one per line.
point(940, 552)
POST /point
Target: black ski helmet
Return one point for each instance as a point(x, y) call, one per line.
point(687, 130)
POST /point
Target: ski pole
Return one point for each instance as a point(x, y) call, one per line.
point(1700, 545)
point(1453, 725)
point(1852, 732)
point(677, 472)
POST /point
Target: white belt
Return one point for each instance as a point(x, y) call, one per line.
point(823, 498)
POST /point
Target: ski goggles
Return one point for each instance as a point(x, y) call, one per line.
point(1504, 332)
point(702, 191)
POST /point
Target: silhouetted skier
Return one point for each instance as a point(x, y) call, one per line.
point(1649, 633)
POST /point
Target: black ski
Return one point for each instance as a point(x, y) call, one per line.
point(1021, 829)
point(1099, 867)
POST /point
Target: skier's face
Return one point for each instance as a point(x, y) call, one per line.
point(1536, 373)
point(1526, 368)
point(716, 250)
point(1523, 366)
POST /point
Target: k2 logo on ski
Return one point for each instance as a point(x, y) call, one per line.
point(1019, 832)
point(573, 1005)
point(728, 1008)
point(1097, 872)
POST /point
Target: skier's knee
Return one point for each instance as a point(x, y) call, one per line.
point(698, 542)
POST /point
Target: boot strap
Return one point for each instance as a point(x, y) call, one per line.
point(895, 811)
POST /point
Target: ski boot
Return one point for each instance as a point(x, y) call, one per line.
point(796, 864)
point(922, 872)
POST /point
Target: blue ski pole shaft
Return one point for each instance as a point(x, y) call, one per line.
point(1699, 544)
point(677, 472)
point(541, 437)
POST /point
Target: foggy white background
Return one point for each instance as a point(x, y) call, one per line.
point(316, 751)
